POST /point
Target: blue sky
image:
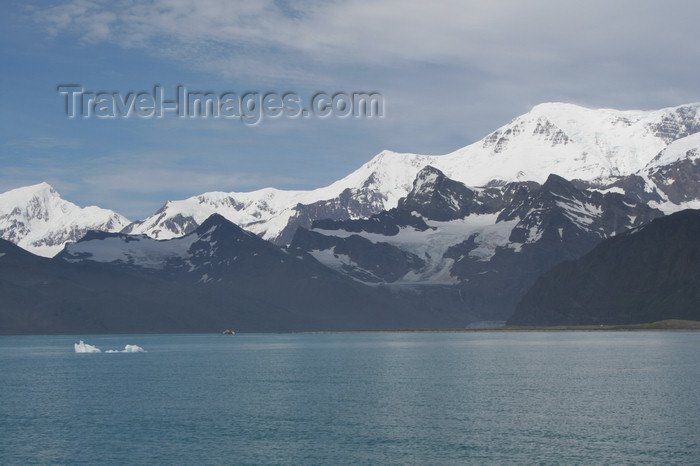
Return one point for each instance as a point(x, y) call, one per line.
point(450, 72)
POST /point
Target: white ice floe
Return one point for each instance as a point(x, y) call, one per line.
point(128, 349)
point(83, 347)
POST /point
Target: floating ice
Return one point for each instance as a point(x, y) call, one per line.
point(128, 349)
point(83, 347)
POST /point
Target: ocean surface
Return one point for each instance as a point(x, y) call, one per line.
point(353, 398)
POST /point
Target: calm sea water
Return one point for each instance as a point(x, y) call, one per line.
point(380, 398)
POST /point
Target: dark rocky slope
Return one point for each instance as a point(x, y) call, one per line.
point(647, 274)
point(223, 277)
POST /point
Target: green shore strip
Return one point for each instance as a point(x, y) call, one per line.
point(670, 324)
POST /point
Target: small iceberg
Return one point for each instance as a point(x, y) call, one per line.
point(128, 349)
point(83, 347)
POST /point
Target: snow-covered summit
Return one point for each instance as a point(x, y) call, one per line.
point(37, 219)
point(596, 145)
point(572, 141)
point(674, 175)
point(685, 148)
point(377, 185)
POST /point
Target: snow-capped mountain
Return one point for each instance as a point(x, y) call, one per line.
point(38, 220)
point(270, 213)
point(599, 146)
point(672, 178)
point(215, 249)
point(405, 240)
point(574, 142)
point(650, 156)
point(490, 243)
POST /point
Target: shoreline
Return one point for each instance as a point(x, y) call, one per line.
point(670, 324)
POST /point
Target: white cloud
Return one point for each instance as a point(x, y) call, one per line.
point(492, 35)
point(622, 53)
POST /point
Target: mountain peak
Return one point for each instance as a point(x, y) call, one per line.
point(42, 187)
point(213, 220)
point(546, 108)
point(429, 176)
point(437, 197)
point(43, 191)
point(598, 146)
point(555, 182)
point(37, 219)
point(218, 221)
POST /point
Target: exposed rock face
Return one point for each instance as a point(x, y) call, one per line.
point(506, 237)
point(677, 123)
point(369, 262)
point(437, 197)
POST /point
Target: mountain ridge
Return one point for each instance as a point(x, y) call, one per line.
point(404, 241)
point(637, 153)
point(598, 146)
point(216, 277)
point(491, 244)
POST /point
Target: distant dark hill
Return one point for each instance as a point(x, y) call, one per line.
point(39, 295)
point(647, 274)
point(217, 277)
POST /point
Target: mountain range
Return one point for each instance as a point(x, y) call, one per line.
point(490, 244)
point(216, 277)
point(463, 235)
point(646, 155)
point(607, 149)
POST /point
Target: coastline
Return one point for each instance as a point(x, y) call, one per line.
point(669, 324)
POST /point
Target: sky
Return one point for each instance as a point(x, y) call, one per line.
point(449, 72)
